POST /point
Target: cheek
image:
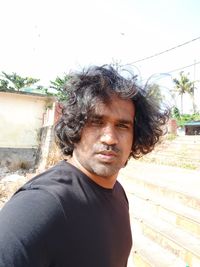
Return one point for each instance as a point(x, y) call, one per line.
point(88, 139)
point(90, 135)
point(129, 142)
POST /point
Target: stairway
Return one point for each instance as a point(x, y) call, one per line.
point(165, 214)
point(182, 151)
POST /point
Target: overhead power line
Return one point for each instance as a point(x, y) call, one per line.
point(165, 51)
point(171, 71)
point(196, 63)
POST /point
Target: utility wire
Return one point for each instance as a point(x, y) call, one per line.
point(171, 71)
point(196, 63)
point(165, 51)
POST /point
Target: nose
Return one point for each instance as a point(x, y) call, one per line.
point(109, 136)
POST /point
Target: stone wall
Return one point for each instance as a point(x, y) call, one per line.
point(48, 153)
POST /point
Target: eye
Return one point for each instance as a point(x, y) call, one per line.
point(123, 126)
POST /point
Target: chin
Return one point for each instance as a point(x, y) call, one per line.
point(106, 171)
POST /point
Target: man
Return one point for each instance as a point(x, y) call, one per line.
point(76, 213)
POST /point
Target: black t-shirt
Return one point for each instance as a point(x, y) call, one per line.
point(61, 218)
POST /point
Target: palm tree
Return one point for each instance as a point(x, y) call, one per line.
point(183, 85)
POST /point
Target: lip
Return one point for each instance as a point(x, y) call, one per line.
point(107, 156)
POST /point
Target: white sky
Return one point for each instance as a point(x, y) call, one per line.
point(43, 39)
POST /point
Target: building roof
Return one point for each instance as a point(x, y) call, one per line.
point(28, 93)
point(192, 123)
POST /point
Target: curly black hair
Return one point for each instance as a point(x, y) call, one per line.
point(85, 88)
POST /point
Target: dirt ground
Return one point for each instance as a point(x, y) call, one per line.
point(10, 182)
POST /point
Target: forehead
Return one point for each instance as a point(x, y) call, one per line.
point(116, 108)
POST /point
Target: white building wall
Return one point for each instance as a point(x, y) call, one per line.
point(21, 117)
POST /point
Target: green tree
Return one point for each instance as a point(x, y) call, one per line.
point(15, 82)
point(155, 90)
point(175, 113)
point(59, 86)
point(4, 85)
point(183, 85)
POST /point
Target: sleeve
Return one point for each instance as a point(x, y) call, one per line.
point(26, 224)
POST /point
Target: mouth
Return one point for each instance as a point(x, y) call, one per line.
point(107, 156)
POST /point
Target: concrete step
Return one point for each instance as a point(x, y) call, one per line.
point(180, 142)
point(177, 152)
point(176, 241)
point(194, 156)
point(147, 253)
point(165, 214)
point(179, 145)
point(175, 158)
point(183, 139)
point(179, 185)
point(185, 218)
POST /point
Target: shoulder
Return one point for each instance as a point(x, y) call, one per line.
point(29, 207)
point(52, 180)
point(59, 184)
point(55, 173)
point(36, 200)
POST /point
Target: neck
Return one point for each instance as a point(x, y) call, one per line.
point(106, 182)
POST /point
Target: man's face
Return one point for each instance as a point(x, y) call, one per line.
point(106, 139)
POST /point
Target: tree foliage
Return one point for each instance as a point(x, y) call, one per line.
point(59, 86)
point(15, 82)
point(155, 90)
point(175, 113)
point(4, 85)
point(183, 85)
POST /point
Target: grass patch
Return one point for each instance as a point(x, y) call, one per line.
point(171, 137)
